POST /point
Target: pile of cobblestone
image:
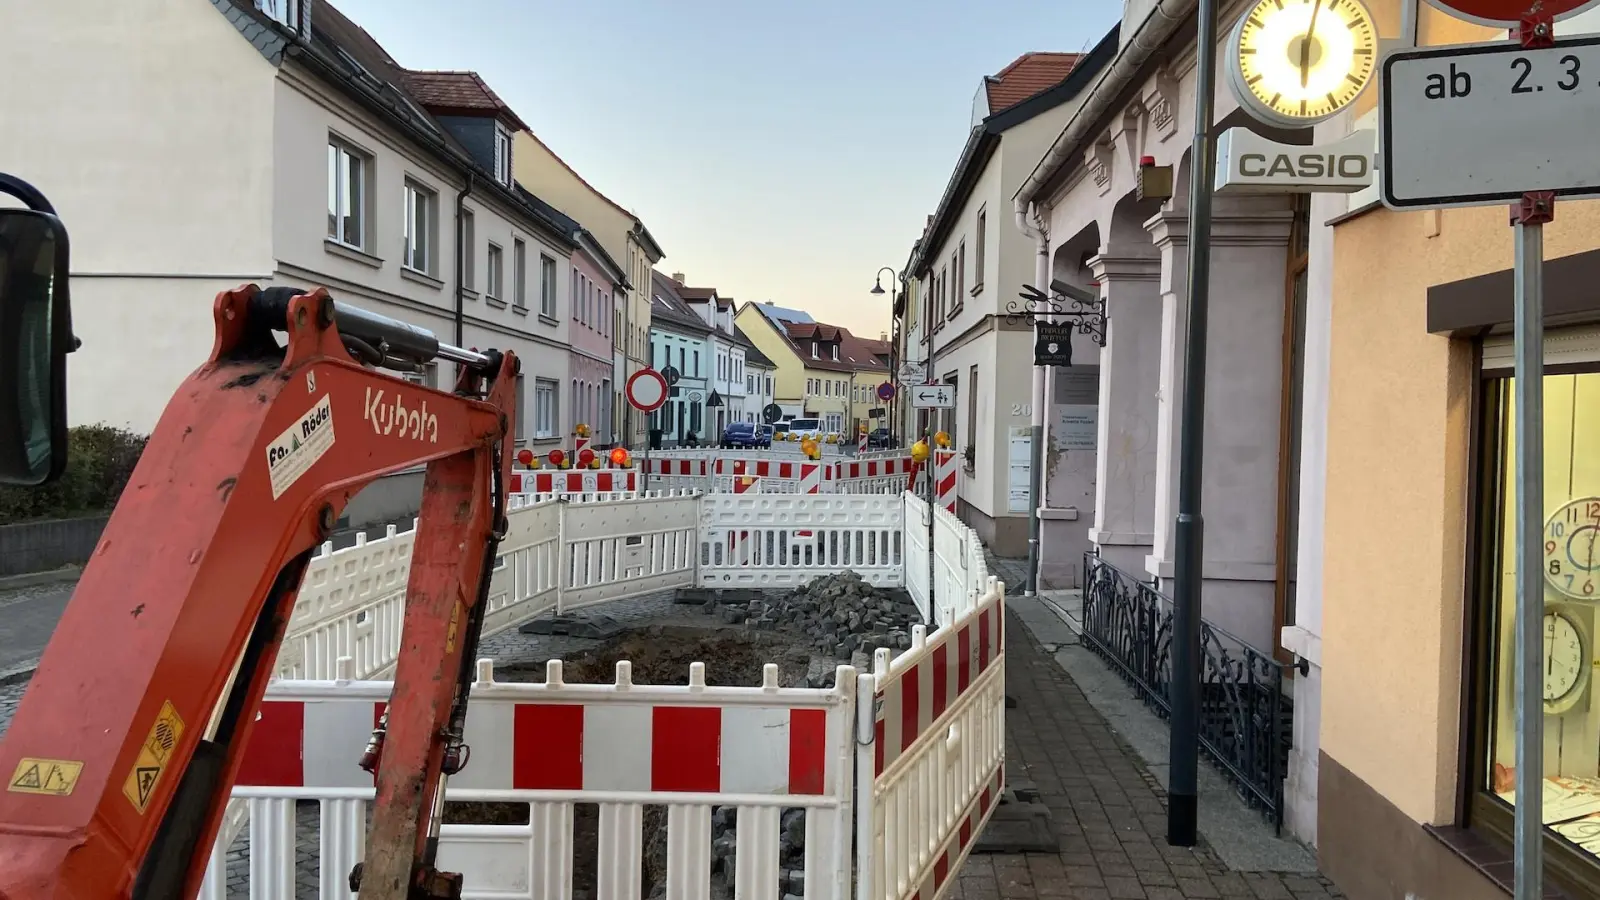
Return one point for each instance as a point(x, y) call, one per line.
point(839, 615)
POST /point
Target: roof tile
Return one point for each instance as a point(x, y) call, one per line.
point(1027, 75)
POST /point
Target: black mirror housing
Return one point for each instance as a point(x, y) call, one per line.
point(35, 338)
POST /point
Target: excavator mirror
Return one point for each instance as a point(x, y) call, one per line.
point(35, 338)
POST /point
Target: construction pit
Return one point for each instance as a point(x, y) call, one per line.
point(807, 632)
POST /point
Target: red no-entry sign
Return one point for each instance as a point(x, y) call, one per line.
point(1509, 13)
point(647, 390)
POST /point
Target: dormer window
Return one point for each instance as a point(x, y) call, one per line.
point(502, 154)
point(814, 350)
point(284, 12)
point(835, 352)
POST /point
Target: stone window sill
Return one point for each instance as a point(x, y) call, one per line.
point(421, 277)
point(351, 253)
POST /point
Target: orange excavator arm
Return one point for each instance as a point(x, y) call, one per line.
point(123, 752)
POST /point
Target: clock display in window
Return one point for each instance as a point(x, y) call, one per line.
point(1572, 549)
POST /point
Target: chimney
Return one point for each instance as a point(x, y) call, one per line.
point(768, 302)
point(678, 277)
point(883, 336)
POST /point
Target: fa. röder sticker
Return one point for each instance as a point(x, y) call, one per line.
point(300, 446)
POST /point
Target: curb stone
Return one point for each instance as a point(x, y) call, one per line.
point(35, 579)
point(19, 674)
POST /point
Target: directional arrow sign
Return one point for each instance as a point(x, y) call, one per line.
point(932, 396)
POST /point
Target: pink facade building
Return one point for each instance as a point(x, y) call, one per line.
point(598, 290)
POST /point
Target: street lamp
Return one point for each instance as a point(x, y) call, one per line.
point(893, 403)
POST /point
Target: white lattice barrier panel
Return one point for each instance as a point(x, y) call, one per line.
point(624, 548)
point(917, 550)
point(351, 604)
point(954, 584)
point(761, 540)
point(759, 750)
point(932, 723)
point(527, 573)
point(873, 475)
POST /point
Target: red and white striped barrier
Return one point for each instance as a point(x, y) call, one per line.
point(911, 700)
point(574, 482)
point(810, 478)
point(873, 468)
point(944, 478)
point(683, 468)
point(577, 738)
point(937, 717)
point(861, 442)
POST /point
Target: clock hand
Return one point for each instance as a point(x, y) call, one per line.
point(1305, 45)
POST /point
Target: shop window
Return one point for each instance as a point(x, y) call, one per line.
point(1571, 600)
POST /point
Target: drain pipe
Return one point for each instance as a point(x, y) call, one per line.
point(461, 252)
point(1039, 230)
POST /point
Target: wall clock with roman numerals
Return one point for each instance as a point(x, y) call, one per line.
point(1294, 63)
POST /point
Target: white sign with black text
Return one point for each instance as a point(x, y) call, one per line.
point(1248, 163)
point(1482, 124)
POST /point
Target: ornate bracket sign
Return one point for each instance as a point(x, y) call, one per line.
point(1082, 311)
point(1052, 344)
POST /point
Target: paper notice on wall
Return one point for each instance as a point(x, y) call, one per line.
point(1019, 484)
point(1077, 426)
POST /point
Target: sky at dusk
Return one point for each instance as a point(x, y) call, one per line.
point(777, 150)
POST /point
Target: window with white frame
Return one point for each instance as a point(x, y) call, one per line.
point(519, 274)
point(469, 251)
point(496, 272)
point(547, 286)
point(347, 194)
point(502, 154)
point(286, 12)
point(546, 422)
point(420, 227)
point(835, 352)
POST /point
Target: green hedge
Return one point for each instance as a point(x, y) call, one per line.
point(100, 461)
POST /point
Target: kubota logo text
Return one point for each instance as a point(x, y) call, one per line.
point(394, 417)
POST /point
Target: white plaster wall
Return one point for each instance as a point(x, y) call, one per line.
point(161, 212)
point(307, 113)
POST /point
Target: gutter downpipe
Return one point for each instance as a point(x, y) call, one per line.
point(1153, 33)
point(461, 252)
point(1039, 230)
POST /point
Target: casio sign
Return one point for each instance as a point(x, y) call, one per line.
point(1248, 163)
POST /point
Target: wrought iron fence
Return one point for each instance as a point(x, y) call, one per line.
point(1246, 715)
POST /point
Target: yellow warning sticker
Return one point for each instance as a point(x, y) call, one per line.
point(54, 777)
point(153, 756)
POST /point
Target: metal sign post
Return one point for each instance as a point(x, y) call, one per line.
point(1532, 131)
point(1528, 222)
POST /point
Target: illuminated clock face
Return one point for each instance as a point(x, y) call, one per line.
point(1572, 549)
point(1296, 62)
point(1566, 661)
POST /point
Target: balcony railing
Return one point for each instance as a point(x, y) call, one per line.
point(1246, 715)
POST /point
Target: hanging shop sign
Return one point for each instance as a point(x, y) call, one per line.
point(1052, 345)
point(1248, 163)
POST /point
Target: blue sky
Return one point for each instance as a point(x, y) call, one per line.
point(777, 150)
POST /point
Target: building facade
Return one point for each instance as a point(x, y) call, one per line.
point(625, 238)
point(681, 340)
point(765, 325)
point(970, 265)
point(759, 375)
point(1414, 423)
point(343, 171)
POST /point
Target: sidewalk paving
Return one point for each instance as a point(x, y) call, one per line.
point(1107, 808)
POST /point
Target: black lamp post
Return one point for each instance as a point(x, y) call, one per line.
point(894, 348)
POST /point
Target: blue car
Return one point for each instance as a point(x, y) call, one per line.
point(746, 434)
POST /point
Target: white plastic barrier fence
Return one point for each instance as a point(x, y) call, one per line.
point(760, 750)
point(777, 540)
point(709, 471)
point(959, 570)
point(930, 762)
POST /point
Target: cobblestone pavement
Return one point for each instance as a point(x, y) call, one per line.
point(1108, 810)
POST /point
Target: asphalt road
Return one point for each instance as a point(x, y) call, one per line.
point(27, 619)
